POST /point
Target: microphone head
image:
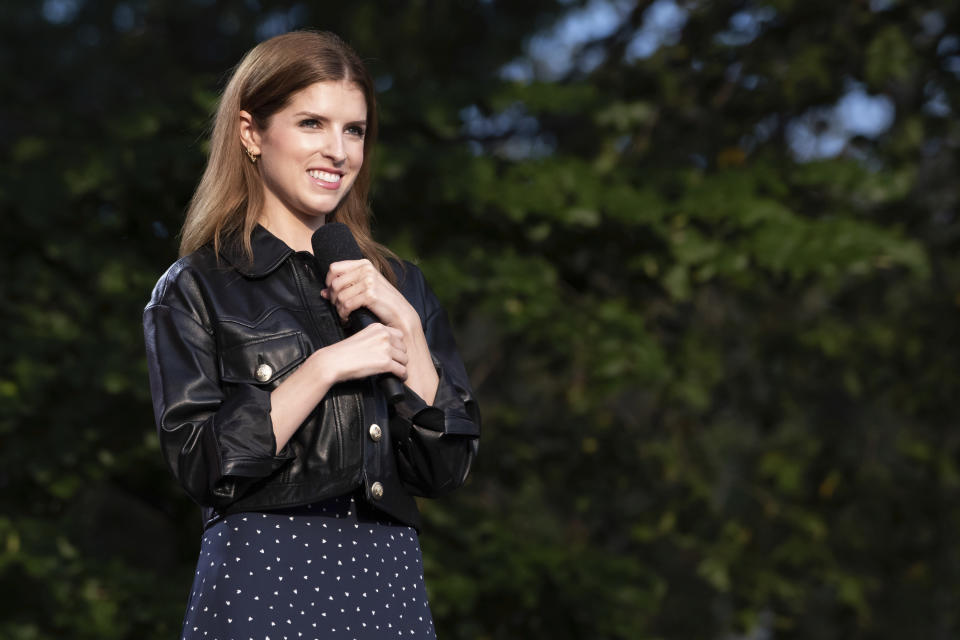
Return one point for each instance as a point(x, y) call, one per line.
point(333, 242)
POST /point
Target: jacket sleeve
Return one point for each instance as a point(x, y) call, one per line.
point(216, 443)
point(436, 444)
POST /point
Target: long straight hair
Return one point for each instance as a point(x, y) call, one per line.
point(229, 199)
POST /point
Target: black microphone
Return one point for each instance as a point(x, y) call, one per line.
point(333, 242)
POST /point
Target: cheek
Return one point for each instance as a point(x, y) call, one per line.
point(287, 146)
point(286, 158)
point(356, 155)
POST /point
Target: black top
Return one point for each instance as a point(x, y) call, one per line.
point(221, 334)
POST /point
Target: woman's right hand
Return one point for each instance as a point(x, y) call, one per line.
point(374, 350)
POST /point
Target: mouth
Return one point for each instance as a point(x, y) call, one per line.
point(326, 179)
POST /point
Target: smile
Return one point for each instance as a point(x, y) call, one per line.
point(325, 178)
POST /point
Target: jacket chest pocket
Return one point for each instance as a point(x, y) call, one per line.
point(263, 360)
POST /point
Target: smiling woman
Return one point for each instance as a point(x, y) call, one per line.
point(291, 68)
point(310, 152)
point(266, 408)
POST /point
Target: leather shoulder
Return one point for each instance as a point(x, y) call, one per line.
point(182, 286)
point(413, 285)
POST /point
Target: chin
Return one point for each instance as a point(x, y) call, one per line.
point(329, 205)
point(321, 208)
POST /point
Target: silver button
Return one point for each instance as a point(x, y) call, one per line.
point(376, 490)
point(376, 432)
point(264, 372)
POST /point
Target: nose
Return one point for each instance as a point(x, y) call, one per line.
point(334, 149)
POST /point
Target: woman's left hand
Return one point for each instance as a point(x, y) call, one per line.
point(352, 284)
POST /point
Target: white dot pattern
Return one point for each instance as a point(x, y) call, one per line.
point(325, 571)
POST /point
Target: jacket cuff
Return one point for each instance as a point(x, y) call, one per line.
point(447, 415)
point(245, 435)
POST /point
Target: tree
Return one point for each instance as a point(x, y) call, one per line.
point(708, 312)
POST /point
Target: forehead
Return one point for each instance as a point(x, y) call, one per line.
point(337, 100)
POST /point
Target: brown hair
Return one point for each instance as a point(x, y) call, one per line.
point(229, 199)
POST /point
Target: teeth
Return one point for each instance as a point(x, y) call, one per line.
point(323, 175)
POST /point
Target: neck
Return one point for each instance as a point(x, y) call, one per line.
point(296, 231)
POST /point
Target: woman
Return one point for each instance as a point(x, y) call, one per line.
point(266, 409)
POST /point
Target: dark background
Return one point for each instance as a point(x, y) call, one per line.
point(701, 259)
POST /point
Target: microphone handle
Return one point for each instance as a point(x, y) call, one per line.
point(391, 387)
point(390, 384)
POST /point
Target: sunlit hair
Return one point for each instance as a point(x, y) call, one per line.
point(229, 198)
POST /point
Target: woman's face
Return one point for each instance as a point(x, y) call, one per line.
point(311, 150)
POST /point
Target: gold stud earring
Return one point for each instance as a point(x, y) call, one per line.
point(250, 154)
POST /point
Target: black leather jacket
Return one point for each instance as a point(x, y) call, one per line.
point(221, 334)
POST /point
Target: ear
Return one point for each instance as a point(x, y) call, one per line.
point(249, 133)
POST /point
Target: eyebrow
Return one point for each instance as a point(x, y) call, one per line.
point(317, 116)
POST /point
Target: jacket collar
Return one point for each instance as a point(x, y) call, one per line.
point(269, 252)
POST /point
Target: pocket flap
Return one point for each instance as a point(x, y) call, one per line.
point(262, 360)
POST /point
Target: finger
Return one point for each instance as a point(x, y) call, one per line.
point(398, 370)
point(398, 346)
point(398, 343)
point(345, 290)
point(335, 279)
point(355, 271)
point(353, 300)
point(350, 290)
point(391, 341)
point(338, 282)
point(372, 329)
point(362, 290)
point(366, 293)
point(341, 266)
point(400, 356)
point(346, 306)
point(344, 267)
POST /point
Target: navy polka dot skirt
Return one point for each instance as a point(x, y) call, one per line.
point(321, 571)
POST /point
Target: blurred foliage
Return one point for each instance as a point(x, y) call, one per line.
point(717, 377)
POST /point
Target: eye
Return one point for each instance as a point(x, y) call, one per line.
point(310, 123)
point(356, 130)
